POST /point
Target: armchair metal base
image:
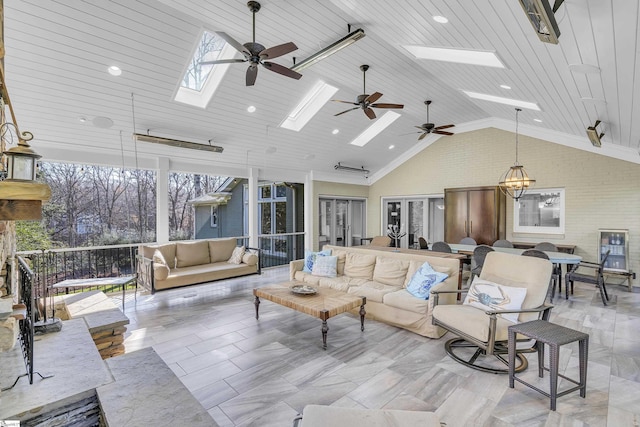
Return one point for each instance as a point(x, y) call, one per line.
point(475, 357)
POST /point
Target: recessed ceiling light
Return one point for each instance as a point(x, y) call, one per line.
point(251, 108)
point(537, 120)
point(377, 127)
point(335, 131)
point(82, 119)
point(505, 87)
point(391, 147)
point(440, 19)
point(312, 102)
point(462, 56)
point(501, 100)
point(114, 71)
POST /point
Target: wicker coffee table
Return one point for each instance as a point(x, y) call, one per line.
point(324, 304)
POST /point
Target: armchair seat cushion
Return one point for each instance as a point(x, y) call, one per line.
point(473, 321)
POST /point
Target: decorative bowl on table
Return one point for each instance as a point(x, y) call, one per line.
point(304, 290)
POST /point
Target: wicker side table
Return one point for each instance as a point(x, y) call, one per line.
point(554, 336)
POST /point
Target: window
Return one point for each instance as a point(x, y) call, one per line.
point(272, 213)
point(214, 216)
point(540, 211)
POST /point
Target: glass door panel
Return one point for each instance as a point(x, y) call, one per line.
point(342, 225)
point(436, 220)
point(357, 227)
point(326, 215)
point(416, 223)
point(342, 222)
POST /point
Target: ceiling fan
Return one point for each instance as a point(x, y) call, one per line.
point(428, 128)
point(255, 53)
point(366, 101)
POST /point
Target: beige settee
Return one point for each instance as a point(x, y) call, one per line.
point(186, 263)
point(382, 277)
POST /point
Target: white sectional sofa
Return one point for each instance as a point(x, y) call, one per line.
point(382, 277)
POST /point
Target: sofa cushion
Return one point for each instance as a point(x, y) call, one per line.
point(342, 257)
point(420, 284)
point(339, 283)
point(168, 252)
point(308, 278)
point(221, 249)
point(250, 258)
point(390, 271)
point(374, 291)
point(236, 255)
point(192, 253)
point(325, 266)
point(160, 268)
point(403, 300)
point(310, 259)
point(359, 265)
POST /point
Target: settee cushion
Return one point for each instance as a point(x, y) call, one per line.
point(250, 258)
point(310, 259)
point(168, 252)
point(390, 271)
point(403, 300)
point(420, 284)
point(221, 249)
point(325, 266)
point(160, 268)
point(236, 255)
point(192, 253)
point(359, 266)
point(374, 291)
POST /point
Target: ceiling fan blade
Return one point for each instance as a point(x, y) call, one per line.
point(443, 127)
point(345, 102)
point(276, 51)
point(383, 105)
point(281, 70)
point(421, 137)
point(369, 112)
point(223, 61)
point(237, 45)
point(252, 74)
point(441, 132)
point(346, 111)
point(373, 97)
point(421, 128)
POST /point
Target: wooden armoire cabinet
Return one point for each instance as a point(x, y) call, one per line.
point(477, 212)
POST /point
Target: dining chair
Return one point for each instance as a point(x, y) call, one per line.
point(552, 283)
point(380, 241)
point(468, 241)
point(479, 255)
point(441, 247)
point(502, 243)
point(423, 243)
point(596, 277)
point(557, 268)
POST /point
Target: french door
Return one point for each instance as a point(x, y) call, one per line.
point(341, 221)
point(414, 217)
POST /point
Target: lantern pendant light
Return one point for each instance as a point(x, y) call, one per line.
point(515, 182)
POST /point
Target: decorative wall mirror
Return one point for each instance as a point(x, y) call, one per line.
point(540, 211)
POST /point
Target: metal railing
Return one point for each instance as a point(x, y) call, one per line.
point(279, 249)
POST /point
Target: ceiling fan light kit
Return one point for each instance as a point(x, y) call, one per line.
point(593, 135)
point(256, 54)
point(349, 39)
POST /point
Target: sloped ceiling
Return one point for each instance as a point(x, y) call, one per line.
point(58, 53)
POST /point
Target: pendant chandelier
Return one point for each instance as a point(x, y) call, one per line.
point(515, 182)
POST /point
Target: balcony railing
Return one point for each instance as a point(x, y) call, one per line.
point(279, 249)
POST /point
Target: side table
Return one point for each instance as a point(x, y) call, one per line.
point(554, 336)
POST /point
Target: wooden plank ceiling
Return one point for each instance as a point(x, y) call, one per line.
point(58, 53)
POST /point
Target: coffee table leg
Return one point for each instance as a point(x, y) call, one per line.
point(257, 304)
point(362, 313)
point(325, 328)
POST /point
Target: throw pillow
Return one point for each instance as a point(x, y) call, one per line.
point(485, 295)
point(310, 257)
point(325, 266)
point(158, 257)
point(160, 268)
point(423, 279)
point(236, 256)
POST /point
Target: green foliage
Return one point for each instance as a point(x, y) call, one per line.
point(32, 236)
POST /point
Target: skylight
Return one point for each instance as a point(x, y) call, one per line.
point(319, 94)
point(377, 127)
point(462, 56)
point(201, 81)
point(501, 100)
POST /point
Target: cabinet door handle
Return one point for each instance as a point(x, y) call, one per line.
point(465, 227)
point(471, 227)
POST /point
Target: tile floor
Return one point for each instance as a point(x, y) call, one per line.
point(249, 372)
